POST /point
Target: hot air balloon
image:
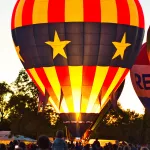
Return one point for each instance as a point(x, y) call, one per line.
point(140, 77)
point(77, 51)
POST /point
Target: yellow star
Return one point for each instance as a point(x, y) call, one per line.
point(58, 46)
point(121, 47)
point(18, 53)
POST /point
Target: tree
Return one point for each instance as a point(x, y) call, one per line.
point(23, 105)
point(120, 124)
point(26, 120)
point(121, 117)
point(19, 104)
point(145, 128)
point(5, 92)
point(24, 85)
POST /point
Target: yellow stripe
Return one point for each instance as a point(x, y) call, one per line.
point(67, 91)
point(37, 79)
point(96, 107)
point(40, 11)
point(134, 18)
point(64, 107)
point(100, 75)
point(76, 84)
point(111, 87)
point(53, 79)
point(86, 90)
point(18, 14)
point(53, 104)
point(73, 10)
point(53, 91)
point(108, 11)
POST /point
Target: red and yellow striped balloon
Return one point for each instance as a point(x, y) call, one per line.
point(79, 51)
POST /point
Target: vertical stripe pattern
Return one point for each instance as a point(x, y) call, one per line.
point(46, 83)
point(64, 79)
point(72, 101)
point(51, 74)
point(54, 82)
point(112, 85)
point(37, 81)
point(100, 75)
point(108, 80)
point(27, 12)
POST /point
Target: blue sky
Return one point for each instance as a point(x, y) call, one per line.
point(10, 64)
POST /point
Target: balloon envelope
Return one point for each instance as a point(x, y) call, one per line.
point(140, 77)
point(77, 51)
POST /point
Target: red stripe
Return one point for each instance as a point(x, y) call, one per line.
point(27, 12)
point(87, 82)
point(56, 11)
point(63, 75)
point(108, 80)
point(13, 15)
point(141, 15)
point(123, 12)
point(43, 78)
point(121, 79)
point(35, 82)
point(45, 81)
point(92, 11)
point(88, 75)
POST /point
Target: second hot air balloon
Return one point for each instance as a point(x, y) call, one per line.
point(140, 77)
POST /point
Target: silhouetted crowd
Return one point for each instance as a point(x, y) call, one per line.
point(59, 143)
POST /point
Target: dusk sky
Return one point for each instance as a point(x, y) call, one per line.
point(10, 63)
